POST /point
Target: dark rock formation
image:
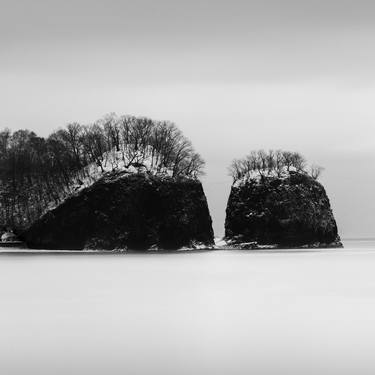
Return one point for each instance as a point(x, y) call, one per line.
point(287, 212)
point(134, 211)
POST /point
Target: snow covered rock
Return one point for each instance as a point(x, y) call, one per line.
point(127, 211)
point(292, 211)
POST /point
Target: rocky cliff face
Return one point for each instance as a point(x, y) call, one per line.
point(287, 212)
point(133, 211)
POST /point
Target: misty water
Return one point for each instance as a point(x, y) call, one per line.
point(216, 312)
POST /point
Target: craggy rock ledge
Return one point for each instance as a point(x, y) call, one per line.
point(271, 212)
point(128, 211)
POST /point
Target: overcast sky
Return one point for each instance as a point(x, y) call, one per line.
point(233, 75)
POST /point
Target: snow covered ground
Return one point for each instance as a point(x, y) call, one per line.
point(112, 161)
point(219, 312)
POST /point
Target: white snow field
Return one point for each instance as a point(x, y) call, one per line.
point(219, 312)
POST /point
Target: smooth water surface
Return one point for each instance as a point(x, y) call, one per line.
point(218, 312)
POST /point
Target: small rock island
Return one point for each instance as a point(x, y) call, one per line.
point(276, 202)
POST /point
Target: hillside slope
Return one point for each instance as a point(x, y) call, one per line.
point(127, 211)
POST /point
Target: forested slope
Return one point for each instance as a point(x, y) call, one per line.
point(38, 173)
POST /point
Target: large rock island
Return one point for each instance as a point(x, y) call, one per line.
point(119, 182)
point(271, 207)
point(127, 211)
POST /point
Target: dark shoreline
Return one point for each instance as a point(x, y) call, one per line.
point(40, 252)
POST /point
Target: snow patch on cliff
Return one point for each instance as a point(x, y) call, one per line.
point(256, 176)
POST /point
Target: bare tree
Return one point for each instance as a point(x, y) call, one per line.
point(298, 161)
point(316, 171)
point(237, 170)
point(279, 162)
point(271, 163)
point(94, 145)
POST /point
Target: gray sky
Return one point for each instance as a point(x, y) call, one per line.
point(233, 75)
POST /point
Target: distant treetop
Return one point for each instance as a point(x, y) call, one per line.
point(274, 163)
